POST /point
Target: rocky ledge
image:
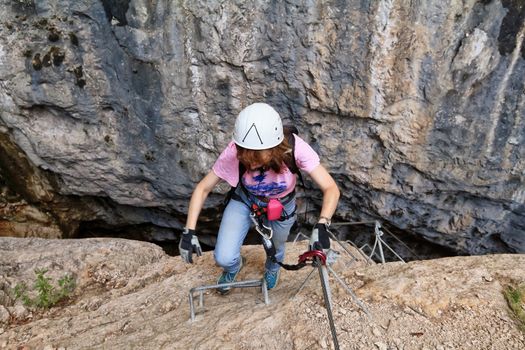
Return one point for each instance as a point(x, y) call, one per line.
point(130, 294)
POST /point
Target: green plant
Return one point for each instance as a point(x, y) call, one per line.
point(515, 296)
point(47, 294)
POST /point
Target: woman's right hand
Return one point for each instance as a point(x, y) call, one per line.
point(188, 244)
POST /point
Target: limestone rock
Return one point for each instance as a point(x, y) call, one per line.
point(111, 111)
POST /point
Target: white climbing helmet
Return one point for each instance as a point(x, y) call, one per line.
point(257, 127)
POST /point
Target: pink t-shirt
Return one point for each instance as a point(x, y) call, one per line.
point(267, 183)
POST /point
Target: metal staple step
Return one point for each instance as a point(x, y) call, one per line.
point(241, 284)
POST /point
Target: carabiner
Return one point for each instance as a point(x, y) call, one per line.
point(261, 230)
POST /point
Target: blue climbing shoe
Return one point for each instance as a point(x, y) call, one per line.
point(271, 277)
point(228, 277)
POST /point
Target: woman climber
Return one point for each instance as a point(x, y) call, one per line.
point(257, 163)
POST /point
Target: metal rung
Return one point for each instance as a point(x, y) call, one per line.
point(241, 284)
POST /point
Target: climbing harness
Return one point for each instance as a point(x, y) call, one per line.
point(267, 242)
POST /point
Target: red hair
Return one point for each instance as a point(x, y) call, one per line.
point(272, 158)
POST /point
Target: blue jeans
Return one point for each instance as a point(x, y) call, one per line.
point(234, 227)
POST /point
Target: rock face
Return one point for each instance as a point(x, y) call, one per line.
point(131, 295)
point(111, 111)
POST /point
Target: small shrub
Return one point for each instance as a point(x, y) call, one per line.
point(47, 295)
point(515, 296)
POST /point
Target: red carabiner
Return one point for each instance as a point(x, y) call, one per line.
point(258, 210)
point(311, 254)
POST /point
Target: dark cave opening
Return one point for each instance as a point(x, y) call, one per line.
point(407, 245)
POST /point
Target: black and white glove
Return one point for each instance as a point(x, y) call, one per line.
point(319, 238)
point(188, 244)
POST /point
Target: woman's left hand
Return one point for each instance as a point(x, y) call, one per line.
point(320, 238)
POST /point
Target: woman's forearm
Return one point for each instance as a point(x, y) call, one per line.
point(196, 203)
point(330, 200)
point(201, 192)
point(330, 192)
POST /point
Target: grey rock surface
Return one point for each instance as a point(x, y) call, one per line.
point(111, 111)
